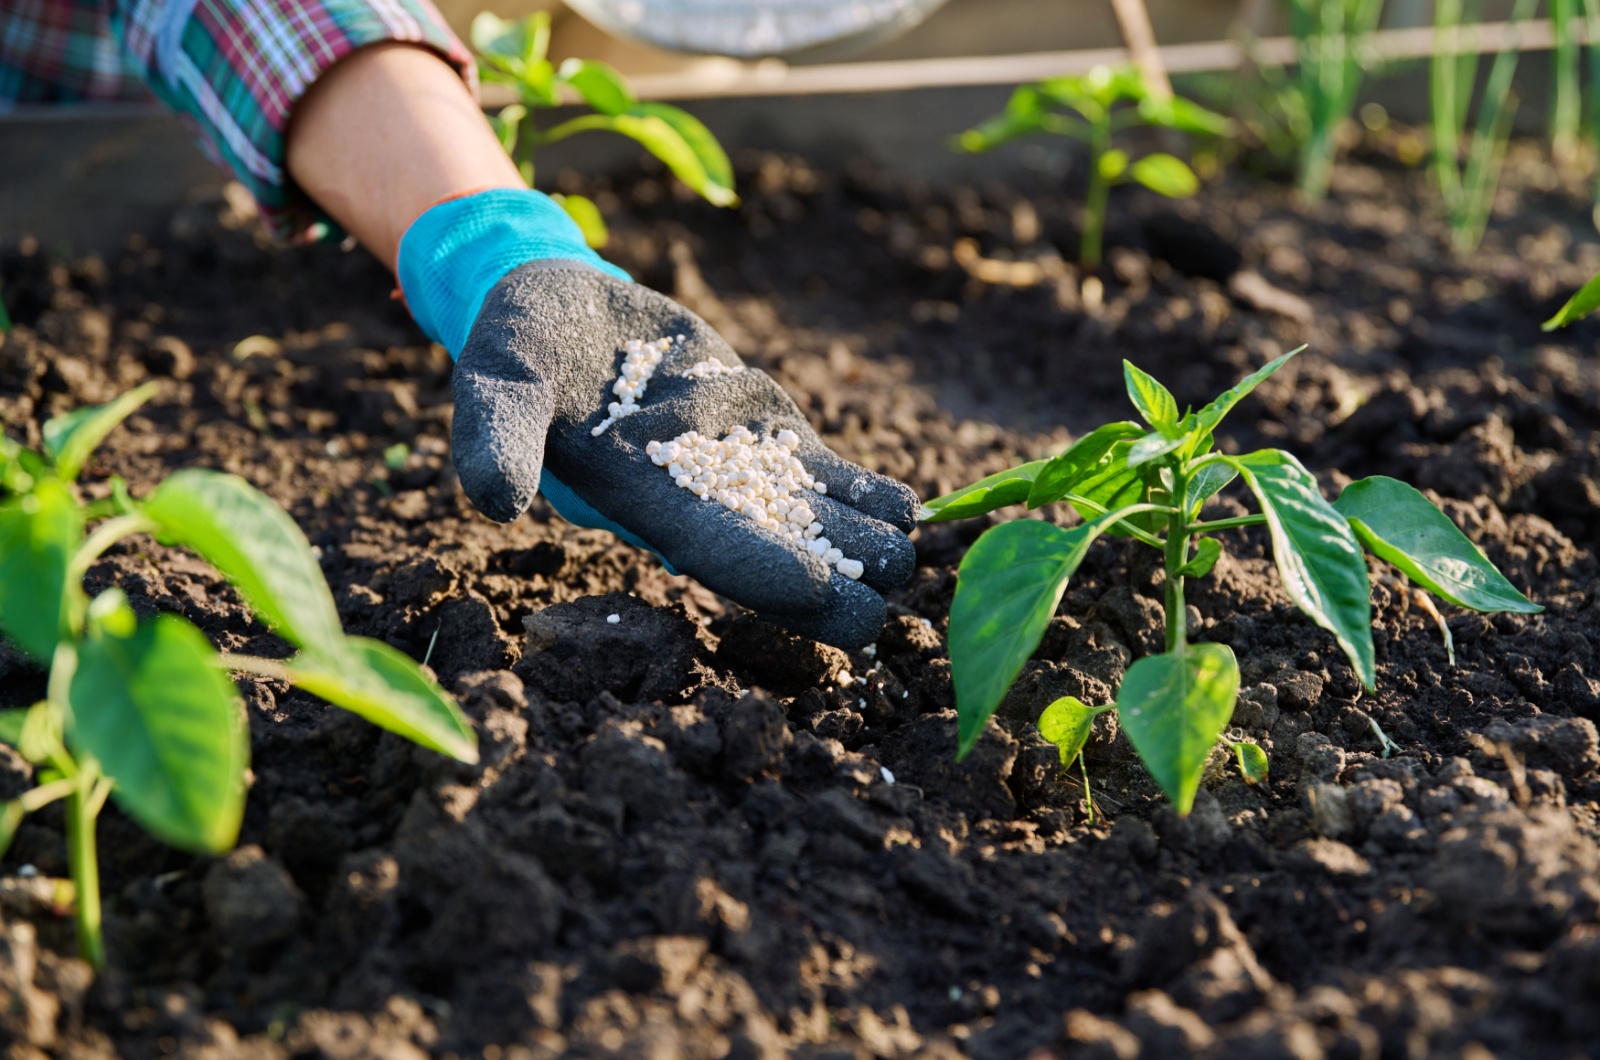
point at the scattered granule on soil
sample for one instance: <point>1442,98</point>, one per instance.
<point>708,368</point>
<point>639,363</point>
<point>760,478</point>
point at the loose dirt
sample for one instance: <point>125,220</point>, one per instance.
<point>693,835</point>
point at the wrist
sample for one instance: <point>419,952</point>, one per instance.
<point>454,254</point>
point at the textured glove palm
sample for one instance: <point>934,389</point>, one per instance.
<point>534,379</point>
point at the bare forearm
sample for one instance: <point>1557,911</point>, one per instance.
<point>387,133</point>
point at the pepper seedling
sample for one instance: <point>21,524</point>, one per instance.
<point>513,53</point>
<point>142,711</point>
<point>1102,103</point>
<point>1149,482</point>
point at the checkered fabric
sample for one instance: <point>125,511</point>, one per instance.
<point>233,69</point>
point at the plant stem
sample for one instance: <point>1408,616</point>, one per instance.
<point>1227,524</point>
<point>271,669</point>
<point>1094,204</point>
<point>1099,509</point>
<point>1177,550</point>
<point>85,865</point>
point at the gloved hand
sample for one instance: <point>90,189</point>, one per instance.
<point>538,324</point>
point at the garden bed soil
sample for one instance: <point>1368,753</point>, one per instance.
<point>693,835</point>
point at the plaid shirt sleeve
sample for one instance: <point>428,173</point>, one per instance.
<point>233,69</point>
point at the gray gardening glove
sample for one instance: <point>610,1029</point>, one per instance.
<point>535,378</point>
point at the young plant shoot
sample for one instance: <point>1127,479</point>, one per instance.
<point>1467,187</point>
<point>1580,305</point>
<point>1093,108</point>
<point>143,711</point>
<point>1149,482</point>
<point>513,53</point>
<point>1330,39</point>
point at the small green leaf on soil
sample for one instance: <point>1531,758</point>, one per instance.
<point>1319,560</point>
<point>1397,523</point>
<point>1174,707</point>
<point>1067,723</point>
<point>389,689</point>
<point>1006,591</point>
<point>1253,762</point>
<point>167,725</point>
<point>1580,305</point>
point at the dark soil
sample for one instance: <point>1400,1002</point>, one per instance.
<point>692,835</point>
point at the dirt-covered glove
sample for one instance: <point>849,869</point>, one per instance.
<point>539,351</point>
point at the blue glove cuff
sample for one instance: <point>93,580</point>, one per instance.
<point>452,256</point>
<point>579,512</point>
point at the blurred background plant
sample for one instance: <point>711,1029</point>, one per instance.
<point>1467,158</point>
<point>1333,56</point>
<point>1093,108</point>
<point>514,53</point>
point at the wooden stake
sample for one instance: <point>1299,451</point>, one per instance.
<point>1141,38</point>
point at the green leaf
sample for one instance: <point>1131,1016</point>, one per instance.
<point>69,439</point>
<point>1174,707</point>
<point>1024,114</point>
<point>1154,401</point>
<point>1207,551</point>
<point>507,124</point>
<point>1580,305</point>
<point>1067,723</point>
<point>1397,523</point>
<point>1205,420</point>
<point>168,726</point>
<point>985,495</point>
<point>600,85</point>
<point>1112,484</point>
<point>1113,164</point>
<point>39,532</point>
<point>1319,560</point>
<point>1166,175</point>
<point>1007,588</point>
<point>1206,482</point>
<point>11,815</point>
<point>1253,764</point>
<point>711,159</point>
<point>1062,473</point>
<point>258,548</point>
<point>389,689</point>
<point>586,215</point>
<point>525,40</point>
<point>1184,115</point>
<point>1155,445</point>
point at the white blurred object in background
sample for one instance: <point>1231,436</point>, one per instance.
<point>751,29</point>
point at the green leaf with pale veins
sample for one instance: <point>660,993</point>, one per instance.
<point>1062,473</point>
<point>1112,484</point>
<point>1174,707</point>
<point>39,532</point>
<point>258,548</point>
<point>1397,523</point>
<point>71,438</point>
<point>1154,401</point>
<point>167,726</point>
<point>1007,588</point>
<point>1206,482</point>
<point>1318,557</point>
<point>995,491</point>
<point>1253,764</point>
<point>1067,723</point>
<point>389,689</point>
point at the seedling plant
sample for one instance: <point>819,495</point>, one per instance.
<point>1331,47</point>
<point>1467,158</point>
<point>1149,482</point>
<point>1093,108</point>
<point>141,710</point>
<point>513,53</point>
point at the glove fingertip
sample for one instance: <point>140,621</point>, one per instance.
<point>853,617</point>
